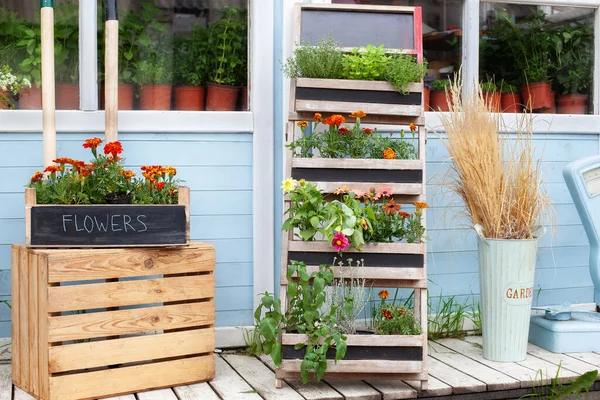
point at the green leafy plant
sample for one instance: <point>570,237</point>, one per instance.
<point>556,390</point>
<point>227,42</point>
<point>10,86</point>
<point>66,42</point>
<point>10,28</point>
<point>325,60</point>
<point>154,71</point>
<point>488,87</point>
<point>368,64</point>
<point>403,69</point>
<point>507,88</point>
<point>574,58</point>
<point>30,53</point>
<point>394,319</point>
<point>190,58</point>
<point>306,295</point>
<point>441,85</point>
<point>446,318</point>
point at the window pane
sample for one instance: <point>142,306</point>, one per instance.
<point>181,55</point>
<point>20,53</point>
<point>544,55</point>
<point>442,39</point>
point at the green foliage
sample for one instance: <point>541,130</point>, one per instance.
<point>488,87</point>
<point>574,58</point>
<point>227,42</point>
<point>507,88</point>
<point>368,64</point>
<point>325,60</point>
<point>441,85</point>
<point>306,294</point>
<point>190,58</point>
<point>394,319</point>
<point>403,69</point>
<point>446,319</point>
<point>10,30</point>
<point>556,390</point>
<point>155,70</point>
<point>66,42</point>
<point>29,51</point>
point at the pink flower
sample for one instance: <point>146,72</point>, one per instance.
<point>358,193</point>
<point>340,242</point>
<point>384,192</point>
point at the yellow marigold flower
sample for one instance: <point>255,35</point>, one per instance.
<point>318,117</point>
<point>341,190</point>
<point>389,154</point>
<point>420,204</point>
<point>384,294</point>
<point>302,124</point>
<point>358,114</point>
<point>289,184</point>
<point>412,127</point>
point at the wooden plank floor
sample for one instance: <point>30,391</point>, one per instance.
<point>457,372</point>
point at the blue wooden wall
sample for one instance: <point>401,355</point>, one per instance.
<point>562,271</point>
<point>218,169</point>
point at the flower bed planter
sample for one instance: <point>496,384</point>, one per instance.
<point>384,356</point>
<point>62,352</point>
<point>347,96</point>
<point>107,225</point>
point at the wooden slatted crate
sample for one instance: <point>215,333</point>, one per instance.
<point>91,323</point>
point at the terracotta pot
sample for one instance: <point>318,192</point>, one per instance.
<point>552,109</point>
<point>155,97</point>
<point>492,101</point>
<point>4,96</point>
<point>221,97</point>
<point>189,98</point>
<point>537,96</point>
<point>67,96</point>
<point>243,99</point>
<point>125,96</point>
<point>511,103</point>
<point>572,104</point>
<point>426,95</point>
<point>439,101</point>
<point>30,98</point>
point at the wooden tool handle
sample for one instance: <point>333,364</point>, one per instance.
<point>111,70</point>
<point>48,87</point>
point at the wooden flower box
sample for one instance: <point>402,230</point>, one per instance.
<point>384,263</point>
<point>367,357</point>
<point>77,336</point>
<point>107,225</point>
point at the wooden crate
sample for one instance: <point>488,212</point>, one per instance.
<point>96,323</point>
<point>107,225</point>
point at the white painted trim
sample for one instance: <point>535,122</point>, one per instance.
<point>262,26</point>
<point>565,3</point>
<point>131,121</point>
<point>229,336</point>
<point>88,55</point>
<point>470,45</point>
<point>596,81</point>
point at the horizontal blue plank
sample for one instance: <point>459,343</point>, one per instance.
<point>219,227</point>
<point>234,318</point>
<point>562,278</point>
<point>129,136</point>
<point>235,202</point>
<point>233,298</point>
<point>232,250</point>
<point>233,274</point>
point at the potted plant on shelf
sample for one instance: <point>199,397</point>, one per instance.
<point>190,62</point>
<point>66,55</point>
<point>226,45</point>
<point>574,63</point>
<point>511,99</point>
<point>28,52</point>
<point>10,85</point>
<point>491,96</point>
<point>498,179</point>
<point>441,98</point>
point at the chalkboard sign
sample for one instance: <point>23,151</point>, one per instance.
<point>107,225</point>
<point>357,26</point>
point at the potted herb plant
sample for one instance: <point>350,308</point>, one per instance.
<point>491,96</point>
<point>29,55</point>
<point>10,85</point>
<point>511,99</point>
<point>226,45</point>
<point>441,98</point>
<point>66,55</point>
<point>190,63</point>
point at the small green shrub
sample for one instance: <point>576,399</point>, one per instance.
<point>488,87</point>
<point>369,64</point>
<point>403,69</point>
<point>440,85</point>
<point>321,61</point>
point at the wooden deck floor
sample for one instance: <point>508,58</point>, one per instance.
<point>456,367</point>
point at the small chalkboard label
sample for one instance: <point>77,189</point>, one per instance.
<point>107,225</point>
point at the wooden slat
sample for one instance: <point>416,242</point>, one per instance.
<point>229,385</point>
<point>461,383</point>
<point>386,248</point>
<point>43,322</point>
<point>351,163</point>
<point>493,379</point>
<point>119,263</point>
<point>132,349</point>
<point>34,377</point>
<point>355,390</point>
<point>330,376</point>
<point>361,366</point>
<point>363,340</point>
<point>261,378</point>
<point>183,198</point>
<point>197,391</point>
<point>392,390</point>
<point>347,107</point>
<point>5,382</point>
<point>378,274</point>
<point>354,84</point>
<point>125,293</point>
<point>131,379</point>
<point>569,363</point>
<point>122,322</point>
<point>30,200</point>
<point>435,387</point>
<point>24,318</point>
<point>16,314</point>
<point>590,358</point>
<point>161,394</point>
<point>369,119</point>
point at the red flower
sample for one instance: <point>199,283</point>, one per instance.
<point>387,314</point>
<point>159,185</point>
<point>336,119</point>
<point>367,131</point>
<point>343,130</point>
<point>404,214</point>
<point>37,177</point>
<point>340,242</point>
<point>92,143</point>
<point>412,127</point>
<point>113,148</point>
<point>53,169</point>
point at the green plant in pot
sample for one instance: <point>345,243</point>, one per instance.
<point>574,59</point>
<point>66,55</point>
<point>491,95</point>
<point>29,56</point>
<point>226,41</point>
<point>10,85</point>
<point>510,100</point>
<point>440,98</point>
<point>190,63</point>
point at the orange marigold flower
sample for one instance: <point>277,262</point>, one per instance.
<point>341,190</point>
<point>412,127</point>
<point>79,164</point>
<point>402,311</point>
<point>391,207</point>
<point>383,294</point>
<point>364,224</point>
<point>302,124</point>
<point>113,148</point>
<point>343,130</point>
<point>389,154</point>
<point>403,214</point>
<point>358,114</point>
<point>92,143</point>
<point>367,131</point>
<point>172,192</point>
<point>159,185</point>
<point>387,314</point>
<point>85,172</point>
<point>53,169</point>
<point>37,177</point>
<point>420,205</point>
<point>318,117</point>
<point>64,160</point>
<point>336,120</point>
<point>128,174</point>
<point>171,171</point>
